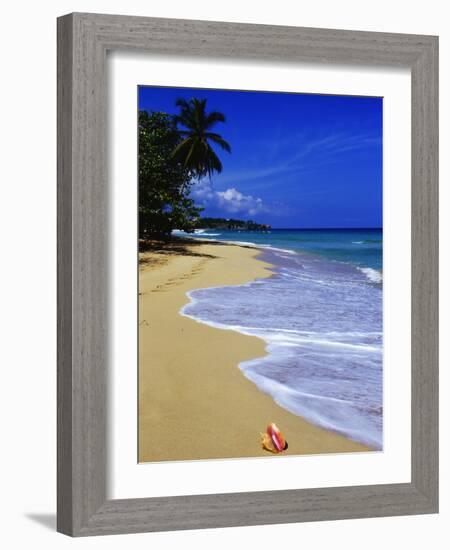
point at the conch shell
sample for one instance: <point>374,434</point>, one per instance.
<point>273,440</point>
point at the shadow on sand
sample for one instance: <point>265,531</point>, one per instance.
<point>176,247</point>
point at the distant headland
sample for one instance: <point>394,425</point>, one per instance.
<point>231,224</point>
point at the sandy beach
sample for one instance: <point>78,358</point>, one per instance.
<point>194,402</point>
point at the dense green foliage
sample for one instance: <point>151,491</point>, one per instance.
<point>195,151</point>
<point>228,223</point>
<point>164,182</point>
<point>174,151</point>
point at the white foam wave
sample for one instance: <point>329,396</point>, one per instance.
<point>285,336</point>
<point>196,233</point>
<point>373,275</point>
<point>201,234</point>
<point>275,249</point>
<point>261,246</point>
<point>332,414</point>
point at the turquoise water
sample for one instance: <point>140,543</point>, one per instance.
<point>320,314</point>
<point>362,247</point>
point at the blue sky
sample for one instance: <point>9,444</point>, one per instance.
<point>297,160</point>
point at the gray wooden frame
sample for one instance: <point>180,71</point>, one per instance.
<point>83,40</point>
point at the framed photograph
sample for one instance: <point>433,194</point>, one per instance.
<point>274,248</point>
<point>247,274</point>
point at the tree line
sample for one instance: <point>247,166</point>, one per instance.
<point>232,224</point>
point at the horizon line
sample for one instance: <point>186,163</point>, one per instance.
<point>319,228</point>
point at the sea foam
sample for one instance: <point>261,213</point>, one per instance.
<point>373,275</point>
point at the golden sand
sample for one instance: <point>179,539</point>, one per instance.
<point>194,401</point>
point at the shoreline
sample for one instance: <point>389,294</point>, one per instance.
<point>194,401</point>
<point>373,274</point>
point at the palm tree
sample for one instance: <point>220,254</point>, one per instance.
<point>195,151</point>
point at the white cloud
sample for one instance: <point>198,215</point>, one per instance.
<point>230,201</point>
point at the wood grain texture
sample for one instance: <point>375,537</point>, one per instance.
<point>64,329</point>
<point>83,40</point>
<point>82,261</point>
<point>424,279</point>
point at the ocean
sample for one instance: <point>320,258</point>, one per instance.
<point>320,314</point>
